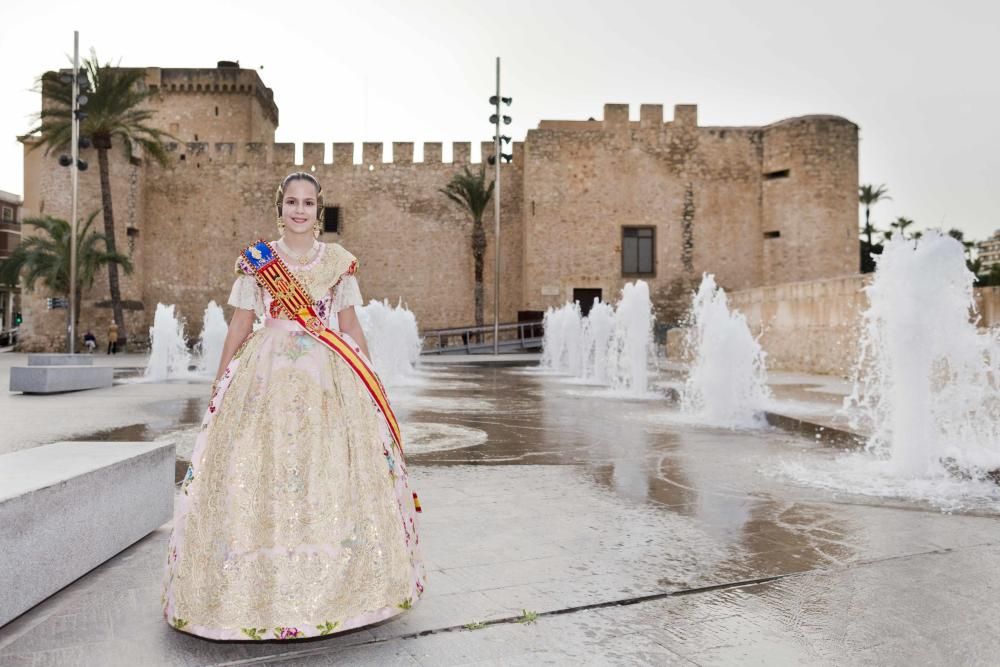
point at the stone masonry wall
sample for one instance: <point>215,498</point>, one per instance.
<point>584,182</point>
<point>809,196</point>
<point>710,193</point>
<point>48,192</point>
<point>412,243</point>
<point>814,326</point>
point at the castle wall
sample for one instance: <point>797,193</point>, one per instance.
<point>699,188</point>
<point>811,326</point>
<point>712,195</point>
<point>48,192</point>
<point>212,105</point>
<point>815,206</point>
<point>412,243</point>
<point>814,326</point>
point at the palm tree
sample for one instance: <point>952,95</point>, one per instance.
<point>959,236</point>
<point>901,224</point>
<point>868,196</point>
<point>112,112</point>
<point>45,257</point>
<point>471,192</point>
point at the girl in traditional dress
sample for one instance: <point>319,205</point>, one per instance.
<point>295,518</point>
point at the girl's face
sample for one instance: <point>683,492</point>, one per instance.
<point>298,208</point>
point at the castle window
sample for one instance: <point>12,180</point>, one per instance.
<point>772,235</point>
<point>331,219</point>
<point>8,214</point>
<point>216,111</point>
<point>771,175</point>
<point>638,250</point>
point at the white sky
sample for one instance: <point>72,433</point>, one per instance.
<point>919,78</point>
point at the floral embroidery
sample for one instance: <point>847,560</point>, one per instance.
<point>406,604</point>
<point>327,627</point>
<point>179,623</point>
<point>253,633</point>
<point>287,633</point>
<point>295,347</point>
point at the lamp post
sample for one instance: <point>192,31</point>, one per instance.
<point>496,159</point>
<point>76,165</point>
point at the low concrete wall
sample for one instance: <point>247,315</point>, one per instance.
<point>808,326</point>
<point>60,360</point>
<point>813,326</point>
<point>56,379</point>
<point>67,507</point>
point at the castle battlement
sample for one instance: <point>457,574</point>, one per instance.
<point>617,116</point>
<point>227,78</point>
<point>336,155</point>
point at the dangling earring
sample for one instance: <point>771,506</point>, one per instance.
<point>281,226</point>
<point>317,229</point>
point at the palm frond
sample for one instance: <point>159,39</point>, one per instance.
<point>113,111</point>
<point>470,191</point>
<point>44,257</point>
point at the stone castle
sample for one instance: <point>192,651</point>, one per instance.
<point>586,207</point>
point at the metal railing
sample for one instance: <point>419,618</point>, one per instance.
<point>511,336</point>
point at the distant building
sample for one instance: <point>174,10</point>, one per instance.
<point>989,251</point>
<point>587,206</point>
<point>10,238</point>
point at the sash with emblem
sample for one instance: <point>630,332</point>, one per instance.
<point>272,274</point>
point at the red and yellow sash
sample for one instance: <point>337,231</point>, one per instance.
<point>275,277</point>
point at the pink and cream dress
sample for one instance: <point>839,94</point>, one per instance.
<point>295,518</point>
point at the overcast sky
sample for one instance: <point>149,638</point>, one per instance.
<point>919,78</point>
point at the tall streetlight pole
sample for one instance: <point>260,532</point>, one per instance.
<point>496,159</point>
<point>74,178</point>
<point>496,224</point>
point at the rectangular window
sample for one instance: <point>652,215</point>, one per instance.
<point>781,173</point>
<point>331,219</point>
<point>638,250</point>
<point>8,214</point>
<point>772,235</point>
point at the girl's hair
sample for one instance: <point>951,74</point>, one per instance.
<point>300,176</point>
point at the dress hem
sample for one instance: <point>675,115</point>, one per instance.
<point>231,634</point>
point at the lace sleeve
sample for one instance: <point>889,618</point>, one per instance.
<point>346,294</point>
<point>246,294</point>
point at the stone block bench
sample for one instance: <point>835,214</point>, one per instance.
<point>51,379</point>
<point>67,507</point>
<point>60,360</point>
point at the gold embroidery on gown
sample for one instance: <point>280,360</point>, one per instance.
<point>295,518</point>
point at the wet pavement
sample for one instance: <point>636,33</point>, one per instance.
<point>583,528</point>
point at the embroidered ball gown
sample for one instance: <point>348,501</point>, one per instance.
<point>295,518</point>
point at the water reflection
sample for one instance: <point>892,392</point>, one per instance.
<point>699,477</point>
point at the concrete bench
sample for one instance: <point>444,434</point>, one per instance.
<point>53,379</point>
<point>66,508</point>
<point>60,360</point>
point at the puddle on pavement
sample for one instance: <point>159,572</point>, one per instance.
<point>171,416</point>
<point>708,478</point>
<point>723,482</point>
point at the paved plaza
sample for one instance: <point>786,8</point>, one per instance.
<point>564,525</point>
